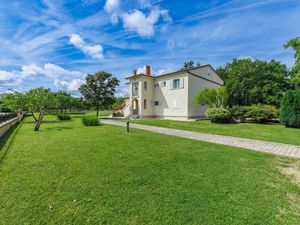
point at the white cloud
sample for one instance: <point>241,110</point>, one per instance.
<point>94,51</point>
<point>111,5</point>
<point>141,70</point>
<point>48,70</point>
<point>71,79</point>
<point>142,24</point>
<point>136,20</point>
<point>69,85</point>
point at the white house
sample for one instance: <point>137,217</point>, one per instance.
<point>171,95</point>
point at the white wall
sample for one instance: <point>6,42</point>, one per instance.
<point>148,95</point>
<point>196,84</point>
<point>173,101</point>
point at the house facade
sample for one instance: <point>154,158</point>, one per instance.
<point>171,95</point>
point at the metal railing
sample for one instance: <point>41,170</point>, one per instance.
<point>4,117</point>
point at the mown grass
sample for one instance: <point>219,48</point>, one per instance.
<point>70,174</point>
<point>268,132</point>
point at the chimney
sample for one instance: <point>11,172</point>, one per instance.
<point>148,70</point>
<point>134,72</point>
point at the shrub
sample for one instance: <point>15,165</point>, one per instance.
<point>218,115</point>
<point>290,109</point>
<point>262,113</point>
<point>90,121</point>
<point>238,112</point>
<point>118,105</point>
<point>63,117</point>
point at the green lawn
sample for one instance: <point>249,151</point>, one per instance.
<point>267,132</point>
<point>70,174</point>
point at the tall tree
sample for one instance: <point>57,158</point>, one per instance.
<point>190,65</point>
<point>255,82</point>
<point>99,89</point>
<point>295,72</point>
<point>39,100</point>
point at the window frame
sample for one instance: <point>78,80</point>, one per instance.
<point>135,89</point>
<point>177,84</point>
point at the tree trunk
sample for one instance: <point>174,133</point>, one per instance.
<point>34,116</point>
<point>39,121</point>
<point>97,112</point>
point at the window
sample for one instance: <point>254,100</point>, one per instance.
<point>155,103</point>
<point>145,86</point>
<point>145,103</point>
<point>162,84</point>
<point>176,83</point>
<point>155,85</point>
<point>135,89</point>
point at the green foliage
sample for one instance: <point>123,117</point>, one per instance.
<point>90,121</point>
<point>39,99</point>
<point>15,101</point>
<point>255,82</point>
<point>262,113</point>
<point>239,110</point>
<point>218,115</point>
<point>63,116</point>
<point>118,104</point>
<point>295,72</point>
<point>290,109</point>
<point>99,89</point>
<point>213,97</point>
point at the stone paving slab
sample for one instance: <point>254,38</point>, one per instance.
<point>256,145</point>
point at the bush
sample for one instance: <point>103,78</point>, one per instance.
<point>118,106</point>
<point>218,115</point>
<point>90,121</point>
<point>238,112</point>
<point>290,109</point>
<point>262,113</point>
<point>63,117</point>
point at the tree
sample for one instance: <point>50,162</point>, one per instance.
<point>295,71</point>
<point>63,100</point>
<point>99,89</point>
<point>255,82</point>
<point>290,109</point>
<point>39,100</point>
<point>213,97</point>
<point>15,101</point>
<point>190,65</point>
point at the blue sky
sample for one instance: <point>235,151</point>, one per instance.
<point>55,43</point>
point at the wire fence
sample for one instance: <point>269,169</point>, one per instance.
<point>4,117</point>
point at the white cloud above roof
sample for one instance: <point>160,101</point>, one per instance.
<point>94,51</point>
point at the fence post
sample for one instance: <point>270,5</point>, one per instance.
<point>127,126</point>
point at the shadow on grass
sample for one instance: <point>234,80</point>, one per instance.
<point>49,121</point>
<point>58,128</point>
<point>6,140</point>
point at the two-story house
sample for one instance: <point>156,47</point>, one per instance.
<point>171,95</point>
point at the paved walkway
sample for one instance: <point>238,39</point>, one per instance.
<point>256,145</point>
